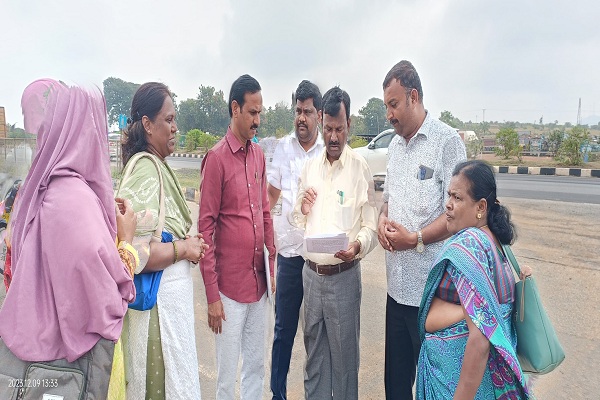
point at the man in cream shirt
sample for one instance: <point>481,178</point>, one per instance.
<point>336,194</point>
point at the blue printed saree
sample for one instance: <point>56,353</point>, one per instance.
<point>470,259</point>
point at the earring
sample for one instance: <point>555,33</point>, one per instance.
<point>478,216</point>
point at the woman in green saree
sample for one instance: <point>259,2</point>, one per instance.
<point>161,356</point>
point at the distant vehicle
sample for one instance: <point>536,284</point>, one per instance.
<point>376,155</point>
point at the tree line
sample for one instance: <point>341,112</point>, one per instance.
<point>204,119</point>
<point>208,112</point>
<point>567,144</point>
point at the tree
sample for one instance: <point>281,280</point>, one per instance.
<point>12,132</point>
<point>508,143</point>
<point>276,121</point>
<point>449,119</point>
<point>208,111</point>
<point>357,126</point>
<point>206,141</point>
<point>195,138</point>
<point>118,94</point>
<point>482,129</point>
<point>554,140</point>
<point>190,139</point>
<point>374,116</point>
<point>214,110</point>
<point>571,149</point>
<point>474,147</point>
<point>189,116</point>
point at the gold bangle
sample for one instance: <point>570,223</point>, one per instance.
<point>129,256</point>
<point>175,248</point>
<point>126,246</point>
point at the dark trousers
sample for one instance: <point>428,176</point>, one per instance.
<point>288,299</point>
<point>402,346</point>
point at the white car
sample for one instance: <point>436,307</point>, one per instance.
<point>376,155</point>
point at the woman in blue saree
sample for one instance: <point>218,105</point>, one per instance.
<point>468,340</point>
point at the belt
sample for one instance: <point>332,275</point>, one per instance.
<point>329,270</point>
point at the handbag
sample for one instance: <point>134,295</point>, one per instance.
<point>85,378</point>
<point>538,348</point>
<point>147,284</point>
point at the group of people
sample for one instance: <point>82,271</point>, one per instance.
<point>76,248</point>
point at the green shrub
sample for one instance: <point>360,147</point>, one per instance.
<point>357,141</point>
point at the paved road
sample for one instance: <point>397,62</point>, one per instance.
<point>561,188</point>
<point>184,162</point>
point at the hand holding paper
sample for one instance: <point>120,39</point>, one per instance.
<point>328,243</point>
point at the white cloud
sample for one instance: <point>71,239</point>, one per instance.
<point>517,59</point>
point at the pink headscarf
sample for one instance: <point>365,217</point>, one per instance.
<point>69,286</point>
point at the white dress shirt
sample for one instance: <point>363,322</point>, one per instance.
<point>354,213</point>
<point>283,173</point>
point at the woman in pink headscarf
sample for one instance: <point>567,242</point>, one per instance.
<point>71,284</point>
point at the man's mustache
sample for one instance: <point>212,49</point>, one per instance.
<point>254,127</point>
<point>336,143</point>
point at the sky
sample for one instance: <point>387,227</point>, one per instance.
<point>517,60</point>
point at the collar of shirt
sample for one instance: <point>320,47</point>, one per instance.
<point>342,159</point>
<point>425,127</point>
<point>234,143</point>
<point>319,143</point>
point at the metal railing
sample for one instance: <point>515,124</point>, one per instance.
<point>18,150</point>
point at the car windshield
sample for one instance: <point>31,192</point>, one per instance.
<point>384,141</point>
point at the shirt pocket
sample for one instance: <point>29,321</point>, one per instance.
<point>428,192</point>
<point>344,214</point>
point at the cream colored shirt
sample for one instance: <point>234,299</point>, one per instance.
<point>354,213</point>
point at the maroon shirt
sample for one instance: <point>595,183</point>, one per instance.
<point>235,221</point>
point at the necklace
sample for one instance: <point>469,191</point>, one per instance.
<point>484,226</point>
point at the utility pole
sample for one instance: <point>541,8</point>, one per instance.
<point>579,113</point>
<point>483,119</point>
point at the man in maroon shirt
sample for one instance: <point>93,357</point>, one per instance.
<point>236,223</point>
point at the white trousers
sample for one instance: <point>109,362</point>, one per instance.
<point>243,332</point>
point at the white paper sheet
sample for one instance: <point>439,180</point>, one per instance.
<point>328,243</point>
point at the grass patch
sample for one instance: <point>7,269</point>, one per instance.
<point>188,177</point>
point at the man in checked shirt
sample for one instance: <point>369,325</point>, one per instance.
<point>412,222</point>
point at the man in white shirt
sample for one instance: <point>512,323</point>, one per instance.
<point>283,173</point>
<point>412,222</point>
<point>336,194</point>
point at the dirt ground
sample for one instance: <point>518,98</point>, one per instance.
<point>558,240</point>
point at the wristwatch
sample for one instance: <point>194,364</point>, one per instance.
<point>420,245</point>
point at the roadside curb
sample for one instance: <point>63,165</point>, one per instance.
<point>186,155</point>
<point>583,172</point>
